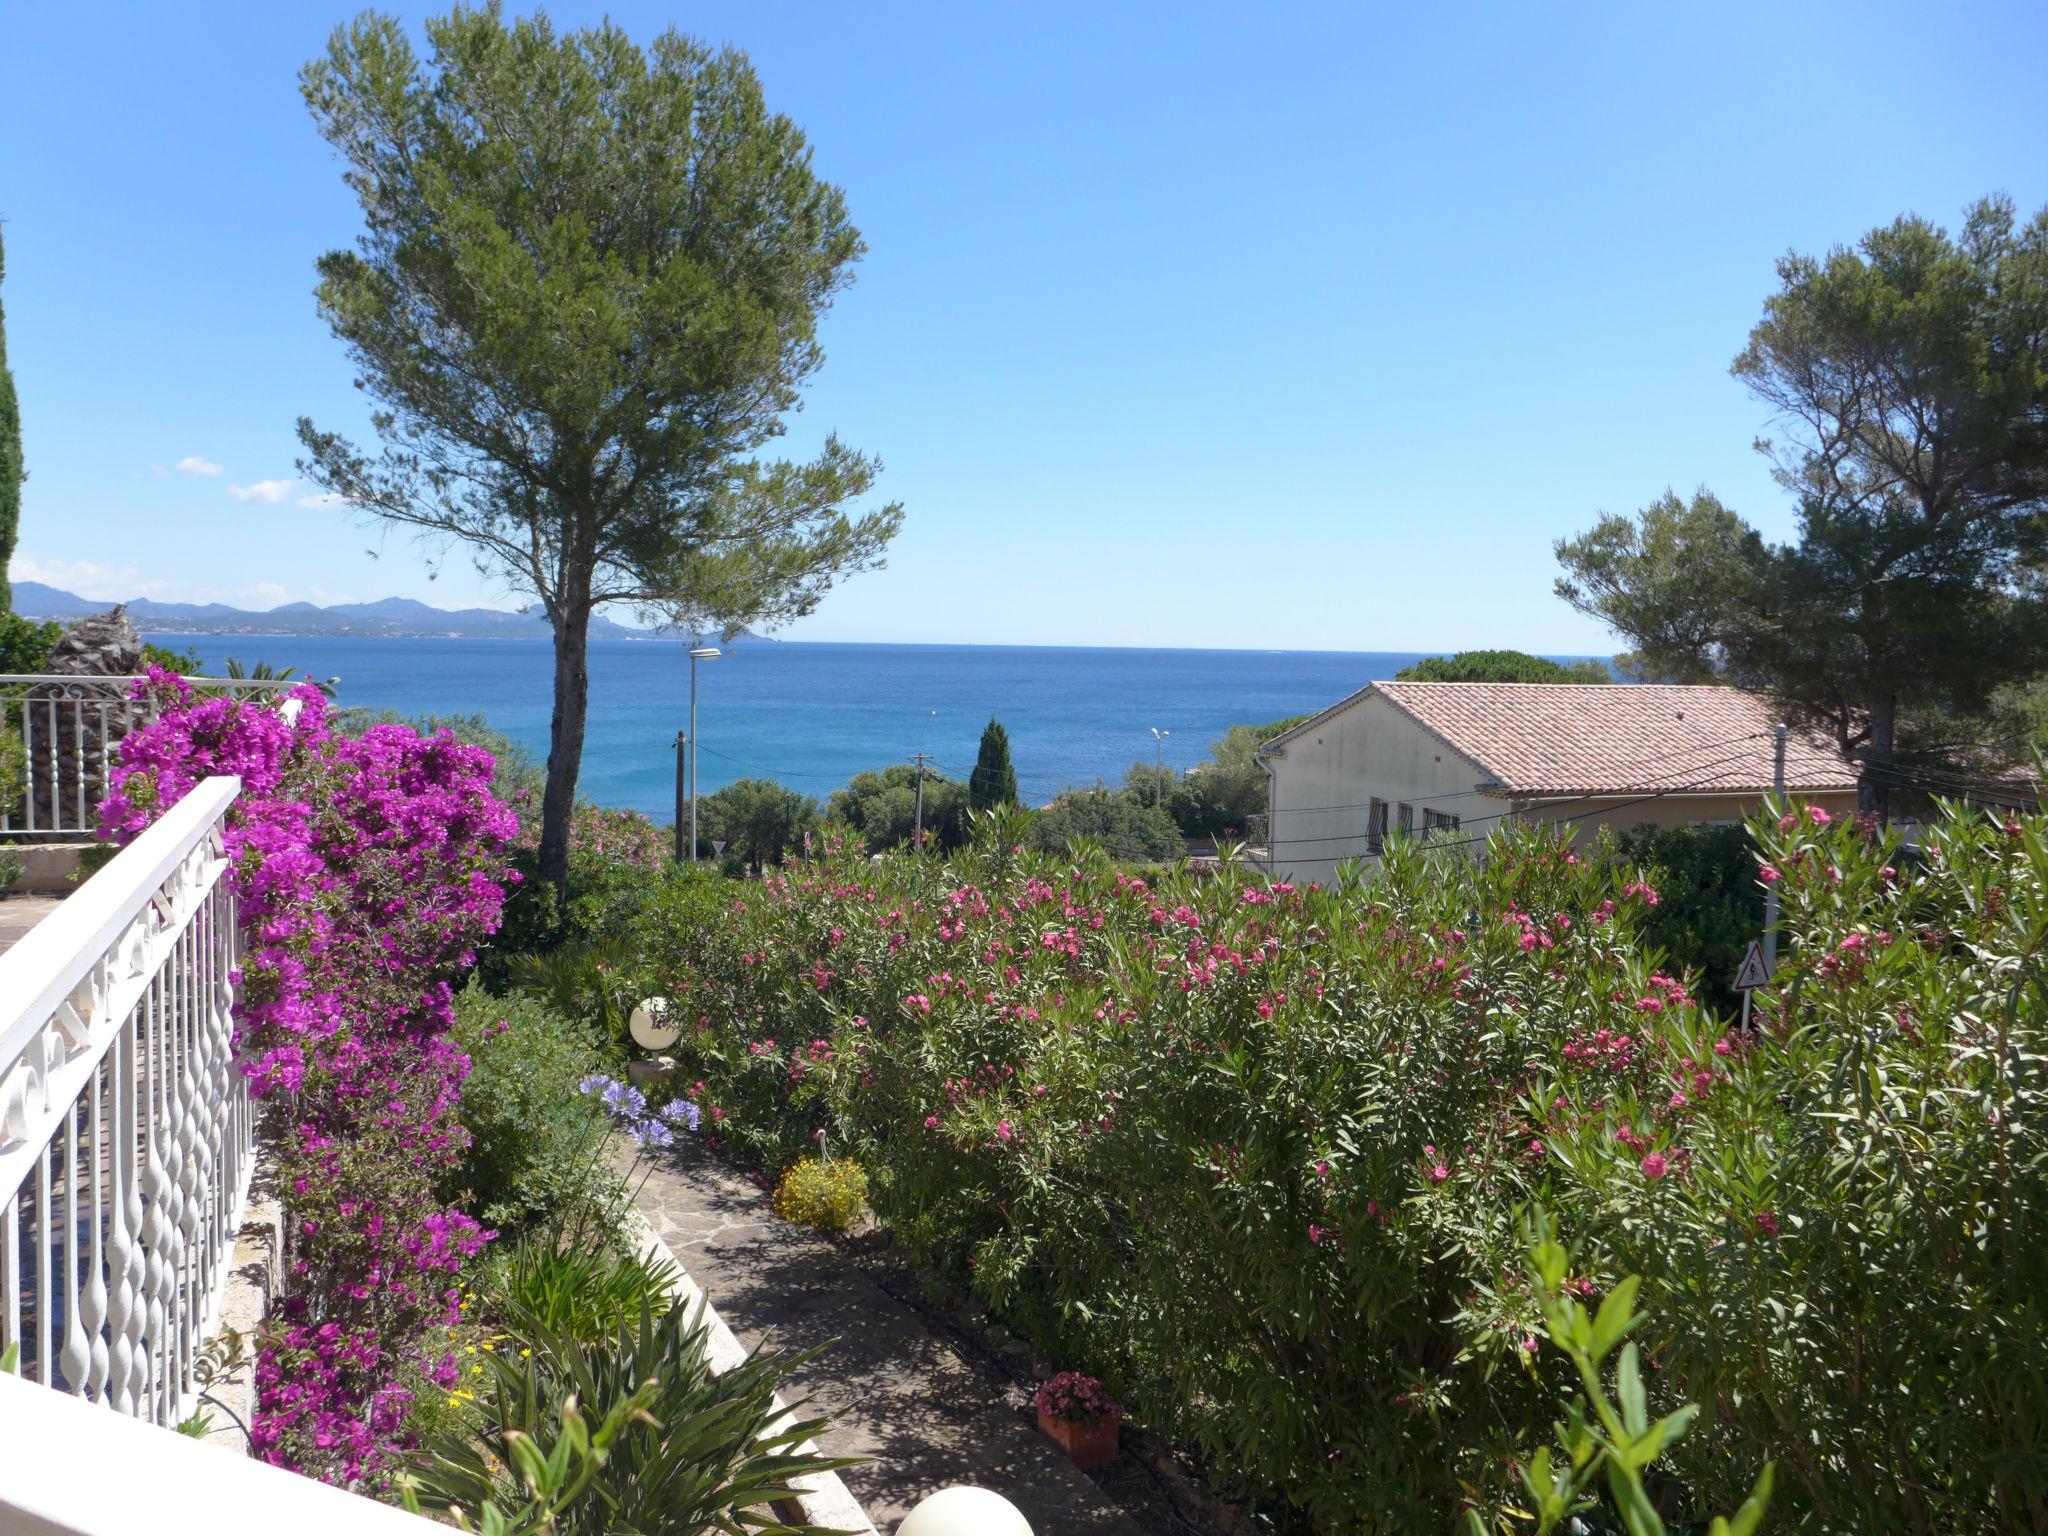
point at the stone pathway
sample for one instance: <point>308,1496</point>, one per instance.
<point>898,1392</point>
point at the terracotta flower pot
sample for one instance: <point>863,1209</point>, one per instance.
<point>1086,1445</point>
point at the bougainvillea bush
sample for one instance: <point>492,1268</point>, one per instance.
<point>1255,1154</point>
<point>366,869</point>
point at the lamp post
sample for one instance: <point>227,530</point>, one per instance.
<point>1159,776</point>
<point>697,653</point>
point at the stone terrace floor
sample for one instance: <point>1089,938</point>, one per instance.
<point>18,914</point>
<point>928,1414</point>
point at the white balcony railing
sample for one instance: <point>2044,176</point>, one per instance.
<point>69,729</point>
<point>125,1131</point>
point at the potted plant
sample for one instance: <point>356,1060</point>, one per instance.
<point>1078,1412</point>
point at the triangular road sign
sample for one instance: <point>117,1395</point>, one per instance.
<point>1753,973</point>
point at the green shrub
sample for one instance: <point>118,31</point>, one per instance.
<point>827,1194</point>
<point>1713,904</point>
<point>571,1289</point>
<point>1253,1154</point>
<point>687,1452</point>
<point>1121,826</point>
<point>617,859</point>
<point>25,644</point>
<point>537,1153</point>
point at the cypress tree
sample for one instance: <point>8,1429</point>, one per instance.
<point>994,781</point>
<point>10,456</point>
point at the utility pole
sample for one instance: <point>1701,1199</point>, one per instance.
<point>1778,734</point>
<point>1159,767</point>
<point>917,835</point>
<point>683,744</point>
<point>697,653</point>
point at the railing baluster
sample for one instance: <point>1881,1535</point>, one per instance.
<point>45,1278</point>
<point>124,1251</point>
<point>125,1130</point>
<point>75,1358</point>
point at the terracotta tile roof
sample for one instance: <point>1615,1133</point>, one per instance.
<point>1580,739</point>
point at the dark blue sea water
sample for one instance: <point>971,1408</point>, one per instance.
<point>812,715</point>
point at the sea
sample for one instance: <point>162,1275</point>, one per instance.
<point>813,714</point>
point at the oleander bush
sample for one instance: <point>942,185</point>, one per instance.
<point>1253,1154</point>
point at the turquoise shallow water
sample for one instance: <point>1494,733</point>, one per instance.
<point>812,715</point>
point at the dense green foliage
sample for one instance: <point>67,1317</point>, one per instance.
<point>1713,904</point>
<point>683,1451</point>
<point>1255,1155</point>
<point>1220,796</point>
<point>1127,829</point>
<point>993,782</point>
<point>25,644</point>
<point>1911,374</point>
<point>759,820</point>
<point>587,292</point>
<point>536,1155</point>
<point>882,808</point>
<point>11,471</point>
<point>1502,667</point>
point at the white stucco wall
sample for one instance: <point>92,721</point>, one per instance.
<point>1322,783</point>
<point>1326,778</point>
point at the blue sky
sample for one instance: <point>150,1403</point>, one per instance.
<point>1273,326</point>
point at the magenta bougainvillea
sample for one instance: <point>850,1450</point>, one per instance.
<point>366,870</point>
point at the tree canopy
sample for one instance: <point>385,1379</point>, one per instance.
<point>1126,830</point>
<point>882,808</point>
<point>994,781</point>
<point>587,293</point>
<point>1910,378</point>
<point>1502,667</point>
<point>758,820</point>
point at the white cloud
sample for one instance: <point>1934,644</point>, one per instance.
<point>192,464</point>
<point>88,578</point>
<point>324,499</point>
<point>269,492</point>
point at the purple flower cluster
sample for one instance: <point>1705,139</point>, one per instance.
<point>651,1128</point>
<point>366,872</point>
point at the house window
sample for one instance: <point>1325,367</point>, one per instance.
<point>1407,820</point>
<point>1375,826</point>
<point>1438,821</point>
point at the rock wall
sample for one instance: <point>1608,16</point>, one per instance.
<point>74,726</point>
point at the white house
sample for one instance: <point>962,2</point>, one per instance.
<point>1460,759</point>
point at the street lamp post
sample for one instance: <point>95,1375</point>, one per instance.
<point>697,653</point>
<point>1159,773</point>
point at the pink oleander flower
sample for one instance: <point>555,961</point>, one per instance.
<point>1655,1166</point>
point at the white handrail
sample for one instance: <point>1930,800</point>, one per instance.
<point>71,1469</point>
<point>58,955</point>
<point>126,1142</point>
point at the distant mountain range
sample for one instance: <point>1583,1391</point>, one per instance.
<point>389,618</point>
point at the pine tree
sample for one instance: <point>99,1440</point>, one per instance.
<point>994,781</point>
<point>10,456</point>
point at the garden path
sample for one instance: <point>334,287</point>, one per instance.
<point>898,1392</point>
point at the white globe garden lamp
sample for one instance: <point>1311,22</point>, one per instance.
<point>965,1512</point>
<point>651,1027</point>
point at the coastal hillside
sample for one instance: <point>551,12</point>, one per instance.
<point>389,617</point>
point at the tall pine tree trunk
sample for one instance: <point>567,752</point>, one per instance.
<point>565,736</point>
